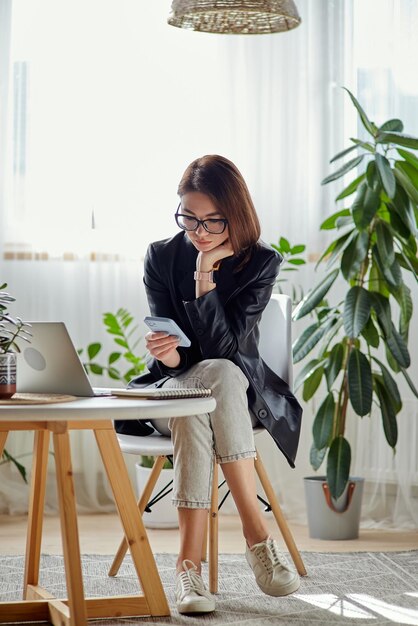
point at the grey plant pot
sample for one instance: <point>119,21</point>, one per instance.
<point>7,375</point>
<point>329,518</point>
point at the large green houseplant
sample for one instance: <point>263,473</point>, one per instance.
<point>374,249</point>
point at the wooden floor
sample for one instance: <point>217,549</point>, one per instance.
<point>100,534</point>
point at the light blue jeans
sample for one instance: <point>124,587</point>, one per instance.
<point>227,432</point>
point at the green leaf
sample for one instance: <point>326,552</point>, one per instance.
<point>329,223</point>
<point>307,341</point>
<point>368,125</point>
<point>284,244</point>
<point>391,386</point>
<point>372,176</point>
<point>398,347</point>
<point>360,385</point>
<point>399,139</point>
<point>298,249</point>
<point>335,248</point>
<point>296,261</point>
<point>315,296</point>
<point>341,222</point>
<point>382,308</point>
<point>323,422</point>
<point>409,381</point>
<point>343,170</point>
<point>305,372</point>
<point>402,205</point>
<point>338,466</point>
<point>386,175</point>
<point>404,299</point>
<point>122,343</point>
<point>394,124</point>
<point>370,334</point>
<point>357,309</point>
<point>385,243</point>
<point>96,369</point>
<point>393,364</point>
<point>316,457</point>
<point>406,184</point>
<point>390,426</point>
<point>363,144</point>
<point>409,178</point>
<point>351,188</point>
<point>354,255</point>
<point>20,468</point>
<point>334,364</point>
<point>365,206</point>
<point>312,383</point>
<point>392,273</point>
<point>114,373</point>
<point>397,225</point>
<point>410,157</point>
<point>93,349</point>
<point>114,357</point>
<point>339,155</point>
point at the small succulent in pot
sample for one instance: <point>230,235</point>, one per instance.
<point>11,329</point>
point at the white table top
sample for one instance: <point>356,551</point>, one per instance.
<point>106,408</point>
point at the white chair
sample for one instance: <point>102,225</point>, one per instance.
<point>276,350</point>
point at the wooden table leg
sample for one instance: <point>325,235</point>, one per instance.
<point>131,519</point>
<point>69,530</point>
<point>36,509</point>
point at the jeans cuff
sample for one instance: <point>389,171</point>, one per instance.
<point>236,457</point>
<point>191,504</point>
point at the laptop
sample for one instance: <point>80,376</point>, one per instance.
<point>50,364</point>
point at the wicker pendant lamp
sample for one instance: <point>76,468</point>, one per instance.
<point>237,17</point>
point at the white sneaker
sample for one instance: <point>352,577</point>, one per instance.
<point>272,571</point>
<point>191,593</point>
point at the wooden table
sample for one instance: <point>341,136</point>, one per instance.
<point>87,414</point>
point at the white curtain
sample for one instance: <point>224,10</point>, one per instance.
<point>117,104</point>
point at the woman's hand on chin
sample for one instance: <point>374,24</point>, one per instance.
<point>206,260</point>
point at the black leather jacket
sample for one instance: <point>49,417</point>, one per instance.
<point>222,324</point>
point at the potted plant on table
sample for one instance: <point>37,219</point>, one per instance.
<point>11,329</point>
<point>375,248</point>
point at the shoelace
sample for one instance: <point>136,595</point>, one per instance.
<point>190,580</point>
<point>270,556</point>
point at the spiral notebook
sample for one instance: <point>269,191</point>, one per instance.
<point>161,394</point>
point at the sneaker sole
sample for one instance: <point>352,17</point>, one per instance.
<point>196,607</point>
<point>285,590</point>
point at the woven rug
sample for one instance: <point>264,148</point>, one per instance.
<point>350,588</point>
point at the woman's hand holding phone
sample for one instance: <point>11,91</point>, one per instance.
<point>163,347</point>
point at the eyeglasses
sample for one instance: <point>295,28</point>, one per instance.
<point>213,226</point>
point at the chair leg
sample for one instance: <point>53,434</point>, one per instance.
<point>142,503</point>
<point>278,514</point>
<point>213,533</point>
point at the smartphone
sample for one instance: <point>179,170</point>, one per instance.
<point>167,325</point>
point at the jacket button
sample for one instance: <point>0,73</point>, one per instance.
<point>200,331</point>
<point>262,413</point>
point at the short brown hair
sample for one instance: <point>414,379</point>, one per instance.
<point>220,179</point>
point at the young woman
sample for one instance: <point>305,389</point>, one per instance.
<point>214,278</point>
